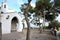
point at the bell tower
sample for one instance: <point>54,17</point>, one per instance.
<point>4,4</point>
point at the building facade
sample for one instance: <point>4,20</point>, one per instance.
<point>10,20</point>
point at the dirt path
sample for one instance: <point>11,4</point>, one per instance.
<point>42,36</point>
<point>34,35</point>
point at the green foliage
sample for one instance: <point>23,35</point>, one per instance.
<point>54,24</point>
<point>42,5</point>
<point>50,17</point>
<point>23,7</point>
<point>57,5</point>
<point>39,24</point>
<point>57,2</point>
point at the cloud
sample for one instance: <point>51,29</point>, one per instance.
<point>33,4</point>
<point>25,1</point>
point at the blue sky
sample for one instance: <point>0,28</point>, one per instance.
<point>15,4</point>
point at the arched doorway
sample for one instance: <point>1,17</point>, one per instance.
<point>14,24</point>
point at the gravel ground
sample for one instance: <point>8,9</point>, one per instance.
<point>34,35</point>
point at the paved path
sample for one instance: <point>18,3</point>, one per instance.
<point>35,35</point>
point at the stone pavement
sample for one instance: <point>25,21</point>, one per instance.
<point>34,35</point>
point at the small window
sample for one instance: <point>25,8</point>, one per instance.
<point>7,17</point>
<point>4,6</point>
<point>2,12</point>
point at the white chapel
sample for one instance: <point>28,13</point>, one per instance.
<point>10,20</point>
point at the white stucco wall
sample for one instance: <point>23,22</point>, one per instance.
<point>6,23</point>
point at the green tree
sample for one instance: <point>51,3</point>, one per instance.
<point>23,8</point>
<point>27,8</point>
<point>27,20</point>
<point>54,24</point>
<point>30,11</point>
<point>46,8</point>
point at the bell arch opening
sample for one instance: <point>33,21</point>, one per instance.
<point>14,24</point>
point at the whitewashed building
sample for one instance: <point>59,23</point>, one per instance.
<point>10,20</point>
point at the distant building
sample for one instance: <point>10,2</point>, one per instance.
<point>10,20</point>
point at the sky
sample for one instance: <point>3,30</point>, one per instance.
<point>16,4</point>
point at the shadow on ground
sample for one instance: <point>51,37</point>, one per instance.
<point>34,35</point>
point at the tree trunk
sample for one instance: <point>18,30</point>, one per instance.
<point>28,28</point>
<point>27,21</point>
<point>39,25</point>
<point>44,12</point>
